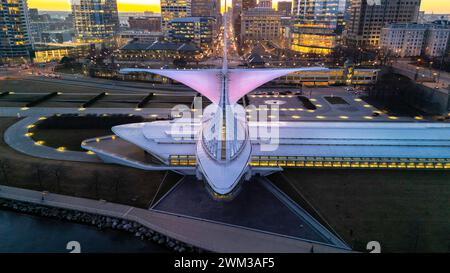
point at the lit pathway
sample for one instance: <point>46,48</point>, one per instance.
<point>15,137</point>
<point>112,85</point>
<point>49,111</point>
<point>206,235</point>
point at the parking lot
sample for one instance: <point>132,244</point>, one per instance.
<point>319,104</point>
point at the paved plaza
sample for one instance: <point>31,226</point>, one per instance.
<point>254,207</point>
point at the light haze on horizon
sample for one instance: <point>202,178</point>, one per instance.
<point>429,6</point>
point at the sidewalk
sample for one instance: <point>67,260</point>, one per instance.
<point>206,235</point>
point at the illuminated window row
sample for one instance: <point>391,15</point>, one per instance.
<point>183,160</point>
<point>352,159</point>
<point>352,163</point>
<point>190,160</point>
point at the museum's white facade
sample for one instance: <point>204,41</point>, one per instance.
<point>223,147</point>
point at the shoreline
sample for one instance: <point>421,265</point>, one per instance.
<point>100,221</point>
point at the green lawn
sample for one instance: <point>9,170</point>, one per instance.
<point>406,211</point>
<point>110,182</point>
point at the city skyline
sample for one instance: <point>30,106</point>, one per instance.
<point>429,6</point>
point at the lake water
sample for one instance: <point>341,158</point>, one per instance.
<point>27,233</point>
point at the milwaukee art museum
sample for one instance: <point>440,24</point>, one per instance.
<point>224,148</point>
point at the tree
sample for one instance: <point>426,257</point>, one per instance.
<point>66,60</point>
<point>58,172</point>
<point>117,181</point>
<point>96,177</point>
<point>5,168</point>
<point>38,174</point>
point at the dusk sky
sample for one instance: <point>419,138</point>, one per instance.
<point>435,6</point>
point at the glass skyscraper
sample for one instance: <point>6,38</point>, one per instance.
<point>172,9</point>
<point>197,30</point>
<point>15,41</point>
<point>95,20</point>
<point>315,26</point>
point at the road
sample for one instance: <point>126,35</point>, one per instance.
<point>410,71</point>
<point>111,85</point>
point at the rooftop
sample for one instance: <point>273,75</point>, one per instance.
<point>190,19</point>
<point>441,24</point>
<point>157,45</point>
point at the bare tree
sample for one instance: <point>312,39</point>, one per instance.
<point>38,174</point>
<point>96,177</point>
<point>58,172</point>
<point>117,181</point>
<point>5,168</point>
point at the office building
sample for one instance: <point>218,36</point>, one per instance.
<point>248,4</point>
<point>145,23</point>
<point>403,40</point>
<point>33,14</point>
<point>173,9</point>
<point>285,8</point>
<point>315,28</point>
<point>265,3</point>
<point>366,19</point>
<point>95,20</point>
<point>15,38</point>
<point>437,39</point>
<point>410,40</point>
<point>260,24</point>
<point>205,8</point>
<point>196,30</point>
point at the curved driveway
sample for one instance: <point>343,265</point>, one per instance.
<point>15,136</point>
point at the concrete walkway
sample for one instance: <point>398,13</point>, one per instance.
<point>113,85</point>
<point>206,235</point>
<point>49,111</point>
<point>15,136</point>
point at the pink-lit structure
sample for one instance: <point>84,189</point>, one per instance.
<point>223,148</point>
<point>208,81</point>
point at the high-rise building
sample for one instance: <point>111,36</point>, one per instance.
<point>95,20</point>
<point>37,25</point>
<point>15,40</point>
<point>367,18</point>
<point>343,15</point>
<point>248,4</point>
<point>196,30</point>
<point>205,8</point>
<point>260,24</point>
<point>52,26</point>
<point>437,41</point>
<point>146,23</point>
<point>33,14</point>
<point>315,26</point>
<point>172,9</point>
<point>410,40</point>
<point>285,8</point>
<point>403,40</point>
<point>265,3</point>
<point>236,10</point>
